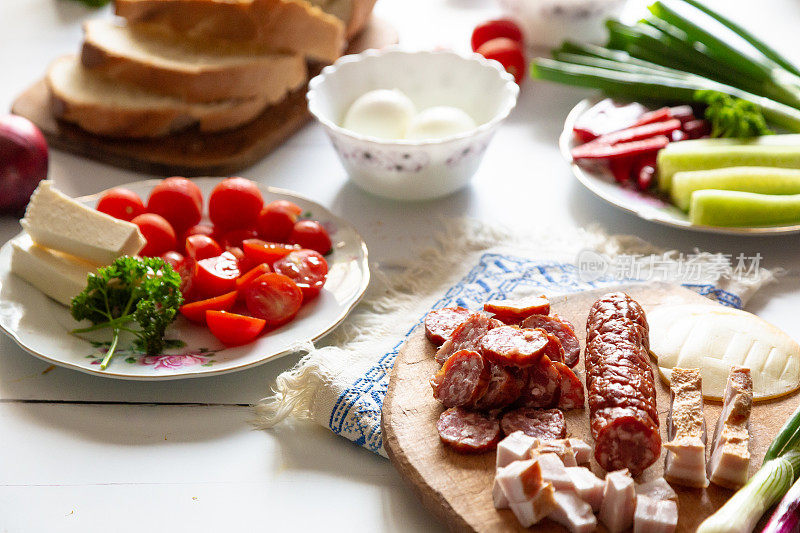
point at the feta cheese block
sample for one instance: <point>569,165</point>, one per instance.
<point>58,275</point>
<point>573,513</point>
<point>619,501</point>
<point>532,510</point>
<point>685,462</point>
<point>730,456</point>
<point>657,489</point>
<point>515,447</point>
<point>653,516</point>
<point>587,485</point>
<point>54,220</point>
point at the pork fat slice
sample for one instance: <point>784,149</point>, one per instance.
<point>573,513</point>
<point>686,428</point>
<point>531,511</point>
<point>653,516</point>
<point>588,486</point>
<point>499,496</point>
<point>520,480</point>
<point>619,501</point>
<point>562,448</point>
<point>553,470</point>
<point>515,447</point>
<point>657,489</point>
<point>583,452</point>
<point>730,456</point>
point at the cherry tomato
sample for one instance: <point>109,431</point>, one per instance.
<point>258,251</point>
<point>310,234</point>
<point>252,274</point>
<point>508,53</point>
<point>235,203</point>
<point>232,329</point>
<point>276,220</point>
<point>157,232</point>
<point>307,268</point>
<point>202,247</point>
<point>196,311</point>
<point>174,259</point>
<point>215,275</point>
<point>492,29</point>
<point>235,237</point>
<point>121,203</point>
<point>273,297</point>
<point>178,200</point>
<point>200,229</point>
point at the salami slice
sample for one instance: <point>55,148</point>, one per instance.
<point>462,380</point>
<point>514,311</point>
<point>509,345</point>
<point>543,424</point>
<point>441,323</point>
<point>553,350</point>
<point>505,386</point>
<point>468,431</point>
<point>542,387</point>
<point>571,394</point>
<point>561,329</point>
<point>466,336</point>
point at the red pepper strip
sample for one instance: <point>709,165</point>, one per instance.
<point>605,151</point>
<point>621,168</point>
<point>639,132</point>
<point>659,115</point>
<point>605,117</point>
<point>684,113</point>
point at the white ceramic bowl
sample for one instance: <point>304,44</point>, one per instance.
<point>406,169</point>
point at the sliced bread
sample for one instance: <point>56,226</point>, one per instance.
<point>106,107</point>
<point>354,13</point>
<point>195,72</point>
<point>293,26</point>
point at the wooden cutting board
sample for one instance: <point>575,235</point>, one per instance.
<point>191,153</point>
<point>457,487</point>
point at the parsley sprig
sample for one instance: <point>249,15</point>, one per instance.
<point>733,117</point>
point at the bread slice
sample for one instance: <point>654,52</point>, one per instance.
<point>106,107</point>
<point>354,13</point>
<point>195,72</point>
<point>293,26</point>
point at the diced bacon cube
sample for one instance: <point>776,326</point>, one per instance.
<point>587,485</point>
<point>573,513</point>
<point>498,496</point>
<point>619,501</point>
<point>515,447</point>
<point>657,489</point>
<point>561,447</point>
<point>654,516</point>
<point>520,480</point>
<point>583,452</point>
<point>553,471</point>
<point>532,510</point>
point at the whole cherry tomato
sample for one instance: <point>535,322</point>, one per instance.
<point>508,53</point>
<point>178,200</point>
<point>121,203</point>
<point>235,203</point>
<point>276,220</point>
<point>492,29</point>
<point>310,234</point>
<point>157,232</point>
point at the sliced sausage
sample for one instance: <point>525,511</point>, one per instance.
<point>553,350</point>
<point>543,424</point>
<point>462,380</point>
<point>543,386</point>
<point>441,323</point>
<point>627,439</point>
<point>511,346</point>
<point>561,329</point>
<point>514,311</point>
<point>468,431</point>
<point>505,386</point>
<point>571,394</point>
<point>466,336</point>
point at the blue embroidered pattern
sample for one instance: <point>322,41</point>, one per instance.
<point>357,412</point>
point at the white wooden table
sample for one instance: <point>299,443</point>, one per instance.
<point>81,453</point>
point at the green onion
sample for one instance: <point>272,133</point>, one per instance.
<point>788,437</point>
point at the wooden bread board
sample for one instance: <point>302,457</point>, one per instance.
<point>457,487</point>
<point>189,152</point>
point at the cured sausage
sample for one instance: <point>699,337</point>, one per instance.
<point>509,345</point>
<point>468,431</point>
<point>505,386</point>
<point>441,323</point>
<point>542,387</point>
<point>543,424</point>
<point>553,350</point>
<point>621,387</point>
<point>466,336</point>
<point>462,380</point>
<point>561,329</point>
<point>514,311</point>
<point>571,394</point>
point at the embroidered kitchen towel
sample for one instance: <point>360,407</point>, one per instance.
<point>342,385</point>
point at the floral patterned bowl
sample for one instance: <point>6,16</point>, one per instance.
<point>407,169</point>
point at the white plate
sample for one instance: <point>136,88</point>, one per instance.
<point>41,326</point>
<point>645,206</point>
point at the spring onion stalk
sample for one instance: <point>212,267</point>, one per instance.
<point>786,517</point>
<point>743,510</point>
<point>788,437</point>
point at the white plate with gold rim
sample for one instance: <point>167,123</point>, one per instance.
<point>41,326</point>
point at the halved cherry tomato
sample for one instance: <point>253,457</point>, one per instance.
<point>233,329</point>
<point>157,232</point>
<point>310,234</point>
<point>258,251</point>
<point>238,253</point>
<point>273,297</point>
<point>235,203</point>
<point>492,29</point>
<point>121,203</point>
<point>215,275</point>
<point>235,237</point>
<point>202,247</point>
<point>276,220</point>
<point>252,274</point>
<point>508,53</point>
<point>307,268</point>
<point>196,311</point>
<point>178,200</point>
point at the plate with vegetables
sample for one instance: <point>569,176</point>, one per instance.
<point>179,278</point>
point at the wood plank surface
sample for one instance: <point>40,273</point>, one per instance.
<point>457,487</point>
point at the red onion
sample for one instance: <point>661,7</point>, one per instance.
<point>23,162</point>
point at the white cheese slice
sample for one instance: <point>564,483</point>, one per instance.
<point>58,275</point>
<point>714,338</point>
<point>54,220</point>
